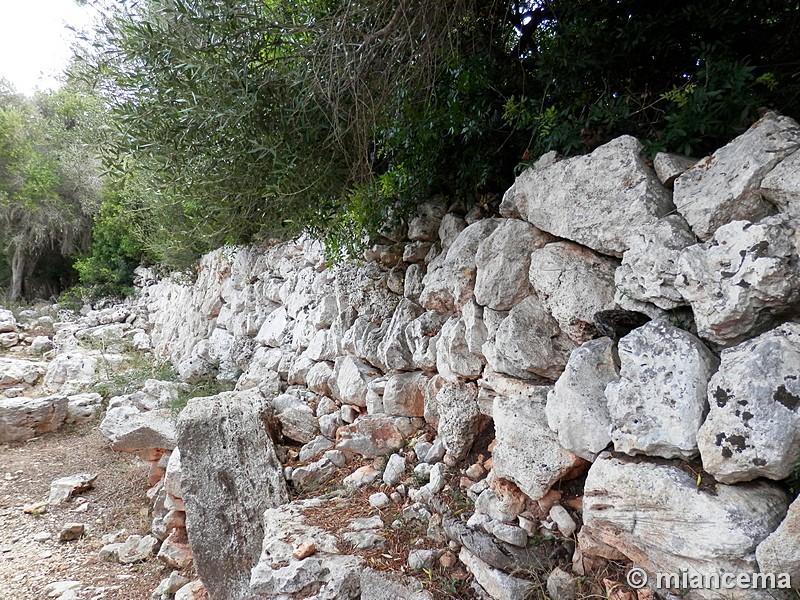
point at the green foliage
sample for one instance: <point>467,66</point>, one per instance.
<point>48,179</point>
<point>116,246</point>
<point>240,121</point>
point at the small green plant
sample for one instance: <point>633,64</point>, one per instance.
<point>137,369</point>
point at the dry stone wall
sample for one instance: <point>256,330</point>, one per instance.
<point>464,358</point>
<point>465,325</point>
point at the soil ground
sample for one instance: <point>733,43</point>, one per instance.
<point>117,501</point>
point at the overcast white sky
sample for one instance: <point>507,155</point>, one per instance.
<point>34,43</point>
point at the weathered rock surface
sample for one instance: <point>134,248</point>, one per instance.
<point>146,434</point>
<point>671,166</point>
<point>576,407</point>
<point>780,551</point>
<point>454,356</point>
<point>450,284</point>
<point>460,420</point>
<point>724,187</point>
<point>650,265</point>
<point>753,427</point>
<point>597,200</point>
<point>529,343</point>
<point>657,517</point>
<point>22,418</point>
<point>742,281</point>
<point>782,186</point>
<point>376,435</point>
<point>659,401</point>
<point>379,585</point>
<point>498,585</point>
<point>23,373</point>
<point>229,477</point>
<point>521,431</point>
<point>326,575</point>
<point>502,260</point>
<point>573,283</point>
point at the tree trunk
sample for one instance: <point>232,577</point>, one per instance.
<point>19,270</point>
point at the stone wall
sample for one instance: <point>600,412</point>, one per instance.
<point>679,431</point>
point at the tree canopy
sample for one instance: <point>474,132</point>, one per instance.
<point>49,180</point>
<point>240,121</point>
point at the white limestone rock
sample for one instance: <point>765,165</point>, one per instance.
<point>22,418</point>
<point>659,401</point>
<point>577,409</point>
<point>454,357</point>
<point>669,167</point>
<point>228,460</point>
<point>650,266</point>
<point>24,373</point>
<point>725,186</point>
<point>782,185</point>
<point>404,394</point>
<point>147,434</point>
<point>529,343</point>
<point>423,336</point>
<point>502,261</point>
<point>573,283</point>
<point>597,200</point>
<point>658,518</point>
<point>527,451</point>
<point>780,551</point>
<point>460,420</point>
<point>350,379</point>
<point>499,585</point>
<point>394,351</point>
<point>743,280</point>
<point>450,285</point>
<point>753,427</point>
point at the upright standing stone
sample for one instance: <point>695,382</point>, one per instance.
<point>229,477</point>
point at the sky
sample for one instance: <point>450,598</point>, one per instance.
<point>34,42</point>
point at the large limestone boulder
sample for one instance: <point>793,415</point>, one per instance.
<point>503,260</point>
<point>780,552</point>
<point>20,373</point>
<point>753,427</point>
<point>528,343</point>
<point>23,418</point>
<point>659,401</point>
<point>658,518</point>
<point>782,186</point>
<point>725,186</point>
<point>576,406</point>
<point>573,283</point>
<point>527,450</point>
<point>147,434</point>
<point>650,266</point>
<point>229,477</point>
<point>743,280</point>
<point>450,283</point>
<point>597,200</point>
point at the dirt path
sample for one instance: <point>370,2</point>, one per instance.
<point>118,501</point>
